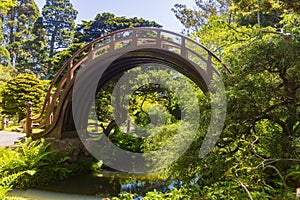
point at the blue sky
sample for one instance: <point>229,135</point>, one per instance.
<point>156,10</point>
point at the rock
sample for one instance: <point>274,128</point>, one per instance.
<point>73,147</point>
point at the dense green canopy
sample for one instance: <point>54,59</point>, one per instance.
<point>19,91</point>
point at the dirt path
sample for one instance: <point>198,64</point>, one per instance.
<point>8,138</point>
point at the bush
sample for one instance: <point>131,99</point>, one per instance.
<point>19,91</point>
<point>31,164</point>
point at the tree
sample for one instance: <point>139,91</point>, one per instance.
<point>20,90</point>
<point>105,23</point>
<point>246,5</point>
<point>36,49</point>
<point>19,19</point>
<point>59,21</point>
<point>61,57</point>
<point>263,13</point>
<point>5,6</point>
<point>24,39</point>
<point>193,18</point>
<point>258,148</point>
<point>144,98</point>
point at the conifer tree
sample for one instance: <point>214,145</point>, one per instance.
<point>59,20</point>
<point>5,6</point>
<point>20,38</point>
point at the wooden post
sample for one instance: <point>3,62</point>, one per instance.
<point>128,125</point>
<point>29,120</point>
<point>3,123</point>
<point>96,125</point>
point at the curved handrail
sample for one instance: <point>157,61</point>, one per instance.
<point>130,37</point>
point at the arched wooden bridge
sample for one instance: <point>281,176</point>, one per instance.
<point>124,49</point>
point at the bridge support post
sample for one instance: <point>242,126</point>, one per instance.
<point>49,118</point>
<point>28,129</point>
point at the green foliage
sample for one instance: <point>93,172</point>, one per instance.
<point>258,148</point>
<point>6,74</point>
<point>29,165</point>
<point>5,6</point>
<point>59,21</point>
<point>35,49</point>
<point>160,137</point>
<point>8,181</point>
<point>103,105</point>
<point>271,79</point>
<point>60,58</point>
<point>192,19</point>
<point>19,91</point>
<point>257,156</point>
<point>154,100</point>
<point>19,23</point>
<point>129,142</point>
<point>175,194</point>
<point>290,22</point>
<point>267,5</point>
<point>144,100</point>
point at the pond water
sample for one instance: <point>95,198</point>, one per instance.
<point>33,194</point>
<point>97,186</point>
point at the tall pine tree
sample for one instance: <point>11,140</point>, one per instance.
<point>21,38</point>
<point>59,20</point>
<point>5,6</point>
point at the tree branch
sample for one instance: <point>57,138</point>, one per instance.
<point>236,29</point>
<point>245,188</point>
<point>286,36</point>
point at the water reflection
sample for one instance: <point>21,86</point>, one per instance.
<point>98,186</point>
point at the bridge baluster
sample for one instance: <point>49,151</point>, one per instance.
<point>112,43</point>
<point>209,66</point>
<point>49,112</point>
<point>158,39</point>
<point>183,49</point>
<point>134,38</point>
<point>91,53</point>
<point>70,71</point>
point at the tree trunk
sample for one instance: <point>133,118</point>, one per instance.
<point>21,116</point>
<point>51,50</point>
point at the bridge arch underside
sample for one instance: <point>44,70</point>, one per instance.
<point>116,64</point>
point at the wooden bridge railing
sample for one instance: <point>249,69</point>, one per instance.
<point>127,38</point>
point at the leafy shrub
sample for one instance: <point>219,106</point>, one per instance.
<point>20,90</point>
<point>31,164</point>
